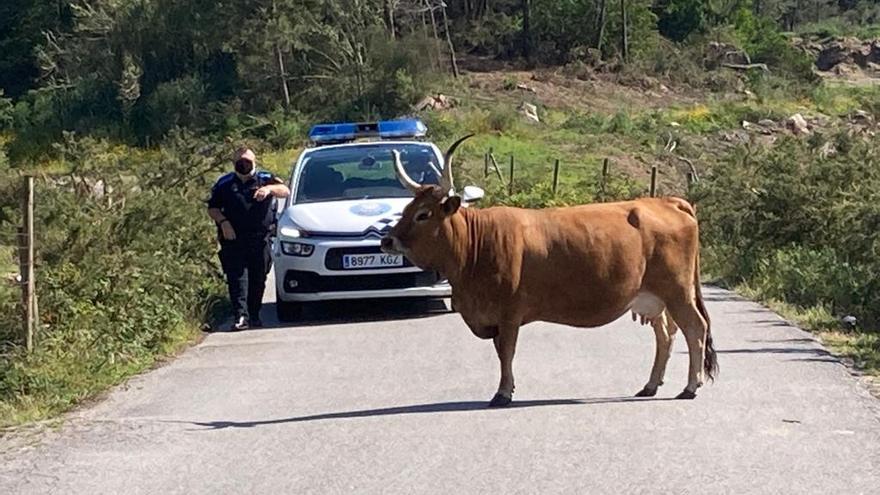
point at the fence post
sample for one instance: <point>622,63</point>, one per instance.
<point>26,263</point>
<point>486,165</point>
<point>510,183</point>
<point>653,180</point>
<point>556,176</point>
<point>604,182</point>
<point>495,166</point>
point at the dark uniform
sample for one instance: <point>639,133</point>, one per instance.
<point>246,260</point>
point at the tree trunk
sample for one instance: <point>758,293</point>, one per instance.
<point>388,11</point>
<point>757,6</point>
<point>600,29</point>
<point>452,60</point>
<point>624,39</point>
<point>437,56</point>
<point>527,30</point>
<point>283,75</point>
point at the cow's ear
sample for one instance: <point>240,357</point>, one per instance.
<point>451,204</point>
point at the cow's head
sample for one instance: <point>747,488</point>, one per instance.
<point>421,226</point>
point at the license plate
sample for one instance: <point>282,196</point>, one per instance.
<point>361,261</point>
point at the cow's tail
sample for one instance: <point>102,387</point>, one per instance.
<point>710,361</point>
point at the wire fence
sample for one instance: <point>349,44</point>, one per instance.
<point>17,267</point>
<point>513,174</point>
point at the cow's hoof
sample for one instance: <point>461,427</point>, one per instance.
<point>647,392</point>
<point>500,401</point>
<point>686,394</point>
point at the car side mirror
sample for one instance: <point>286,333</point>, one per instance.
<point>472,194</point>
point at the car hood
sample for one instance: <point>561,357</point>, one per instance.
<point>347,218</point>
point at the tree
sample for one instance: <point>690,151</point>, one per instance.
<point>678,19</point>
<point>22,23</point>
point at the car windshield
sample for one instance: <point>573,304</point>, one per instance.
<point>363,172</point>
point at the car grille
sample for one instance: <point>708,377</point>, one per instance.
<point>307,282</point>
<point>333,259</point>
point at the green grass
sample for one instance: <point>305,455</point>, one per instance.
<point>68,380</point>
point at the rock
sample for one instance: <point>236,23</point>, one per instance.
<point>835,53</point>
<point>827,150</point>
<point>798,124</point>
<point>861,116</point>
<point>845,69</point>
<point>746,124</point>
<point>767,123</point>
<point>438,102</point>
<point>529,111</point>
<point>525,87</point>
<point>850,52</point>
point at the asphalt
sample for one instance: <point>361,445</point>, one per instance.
<point>390,398</point>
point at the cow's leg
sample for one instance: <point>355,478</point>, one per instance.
<point>664,333</point>
<point>694,328</point>
<point>505,346</point>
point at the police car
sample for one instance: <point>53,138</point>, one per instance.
<point>344,197</point>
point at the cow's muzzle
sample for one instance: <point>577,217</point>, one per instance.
<point>388,246</point>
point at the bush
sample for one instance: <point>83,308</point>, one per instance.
<point>761,39</point>
<point>5,112</point>
<point>796,225</point>
<point>123,276</point>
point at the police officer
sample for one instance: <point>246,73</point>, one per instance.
<point>243,205</point>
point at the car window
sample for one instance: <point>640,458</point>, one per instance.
<point>363,172</point>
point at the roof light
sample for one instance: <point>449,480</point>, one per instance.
<point>386,129</point>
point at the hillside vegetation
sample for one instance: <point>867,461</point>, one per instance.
<point>126,112</point>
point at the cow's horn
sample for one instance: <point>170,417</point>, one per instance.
<point>446,178</point>
<point>402,176</point>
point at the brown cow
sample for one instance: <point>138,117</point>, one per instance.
<point>583,266</point>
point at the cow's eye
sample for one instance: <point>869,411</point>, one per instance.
<point>421,217</point>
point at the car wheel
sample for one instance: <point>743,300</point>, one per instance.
<point>287,311</point>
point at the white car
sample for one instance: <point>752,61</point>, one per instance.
<point>344,197</point>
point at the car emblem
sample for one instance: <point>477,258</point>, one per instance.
<point>370,209</point>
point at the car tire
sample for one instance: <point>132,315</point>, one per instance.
<point>287,311</point>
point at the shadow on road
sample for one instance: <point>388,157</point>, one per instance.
<point>355,311</point>
<point>440,407</point>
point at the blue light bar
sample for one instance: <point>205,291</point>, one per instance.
<point>386,129</point>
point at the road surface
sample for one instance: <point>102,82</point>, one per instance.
<point>379,399</point>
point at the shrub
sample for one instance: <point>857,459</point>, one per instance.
<point>123,277</point>
<point>796,225</point>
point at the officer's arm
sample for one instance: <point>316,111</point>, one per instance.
<point>215,206</point>
<point>216,215</point>
<point>275,185</point>
<point>279,190</point>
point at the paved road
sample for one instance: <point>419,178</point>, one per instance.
<point>376,400</point>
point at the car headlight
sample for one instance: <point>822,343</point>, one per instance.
<point>297,249</point>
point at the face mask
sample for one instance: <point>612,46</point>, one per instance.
<point>244,167</point>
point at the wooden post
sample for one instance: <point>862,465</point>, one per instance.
<point>624,34</point>
<point>495,166</point>
<point>653,181</point>
<point>690,184</point>
<point>510,181</point>
<point>604,180</point>
<point>26,263</point>
<point>556,176</point>
<point>486,165</point>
